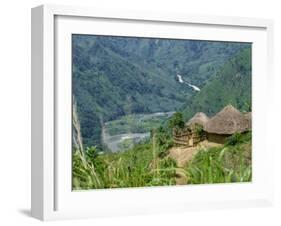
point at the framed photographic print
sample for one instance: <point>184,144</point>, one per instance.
<point>137,112</point>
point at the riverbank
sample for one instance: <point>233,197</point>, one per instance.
<point>126,131</point>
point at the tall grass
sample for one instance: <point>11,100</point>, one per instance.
<point>230,163</point>
<point>143,165</point>
<point>148,164</point>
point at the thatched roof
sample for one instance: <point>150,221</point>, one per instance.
<point>228,121</point>
<point>199,118</point>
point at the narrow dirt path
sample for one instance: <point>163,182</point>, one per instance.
<point>182,154</point>
<point>181,177</point>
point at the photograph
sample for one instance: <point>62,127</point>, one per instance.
<point>160,112</point>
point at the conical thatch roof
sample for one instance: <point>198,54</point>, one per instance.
<point>199,118</point>
<point>228,121</point>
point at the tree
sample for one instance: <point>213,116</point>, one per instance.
<point>176,121</point>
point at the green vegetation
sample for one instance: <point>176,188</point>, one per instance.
<point>117,76</point>
<point>176,121</point>
<point>199,130</point>
<point>230,163</point>
<point>231,85</point>
<point>120,83</point>
<point>148,164</point>
<point>143,165</point>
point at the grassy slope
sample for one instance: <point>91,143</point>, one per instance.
<point>148,165</point>
<point>230,163</point>
<point>143,165</point>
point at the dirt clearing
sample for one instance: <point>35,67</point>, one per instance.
<point>183,154</point>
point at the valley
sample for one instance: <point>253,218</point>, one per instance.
<point>134,101</point>
<point>118,76</point>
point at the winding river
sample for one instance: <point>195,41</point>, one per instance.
<point>115,142</point>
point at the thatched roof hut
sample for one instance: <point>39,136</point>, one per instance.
<point>199,118</point>
<point>228,121</point>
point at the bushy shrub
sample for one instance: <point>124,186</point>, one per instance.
<point>199,130</point>
<point>176,121</point>
<point>234,139</point>
<point>238,138</point>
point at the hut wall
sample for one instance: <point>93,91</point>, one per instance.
<point>181,137</point>
<point>187,138</point>
<point>181,141</point>
<point>196,139</point>
<point>216,138</point>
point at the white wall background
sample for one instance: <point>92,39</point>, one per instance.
<point>15,111</point>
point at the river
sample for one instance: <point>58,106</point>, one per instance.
<point>117,142</point>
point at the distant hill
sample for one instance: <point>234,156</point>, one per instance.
<point>231,85</point>
<point>115,76</point>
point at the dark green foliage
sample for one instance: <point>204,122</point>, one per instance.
<point>176,121</point>
<point>91,153</point>
<point>199,130</point>
<point>92,157</point>
<point>163,139</point>
<point>238,138</point>
<point>234,139</point>
<point>84,175</point>
<point>231,85</point>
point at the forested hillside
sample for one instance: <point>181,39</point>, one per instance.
<point>231,85</point>
<point>116,76</point>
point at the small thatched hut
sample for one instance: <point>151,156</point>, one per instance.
<point>199,118</point>
<point>188,136</point>
<point>182,136</point>
<point>225,123</point>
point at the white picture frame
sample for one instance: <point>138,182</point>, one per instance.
<point>52,197</point>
